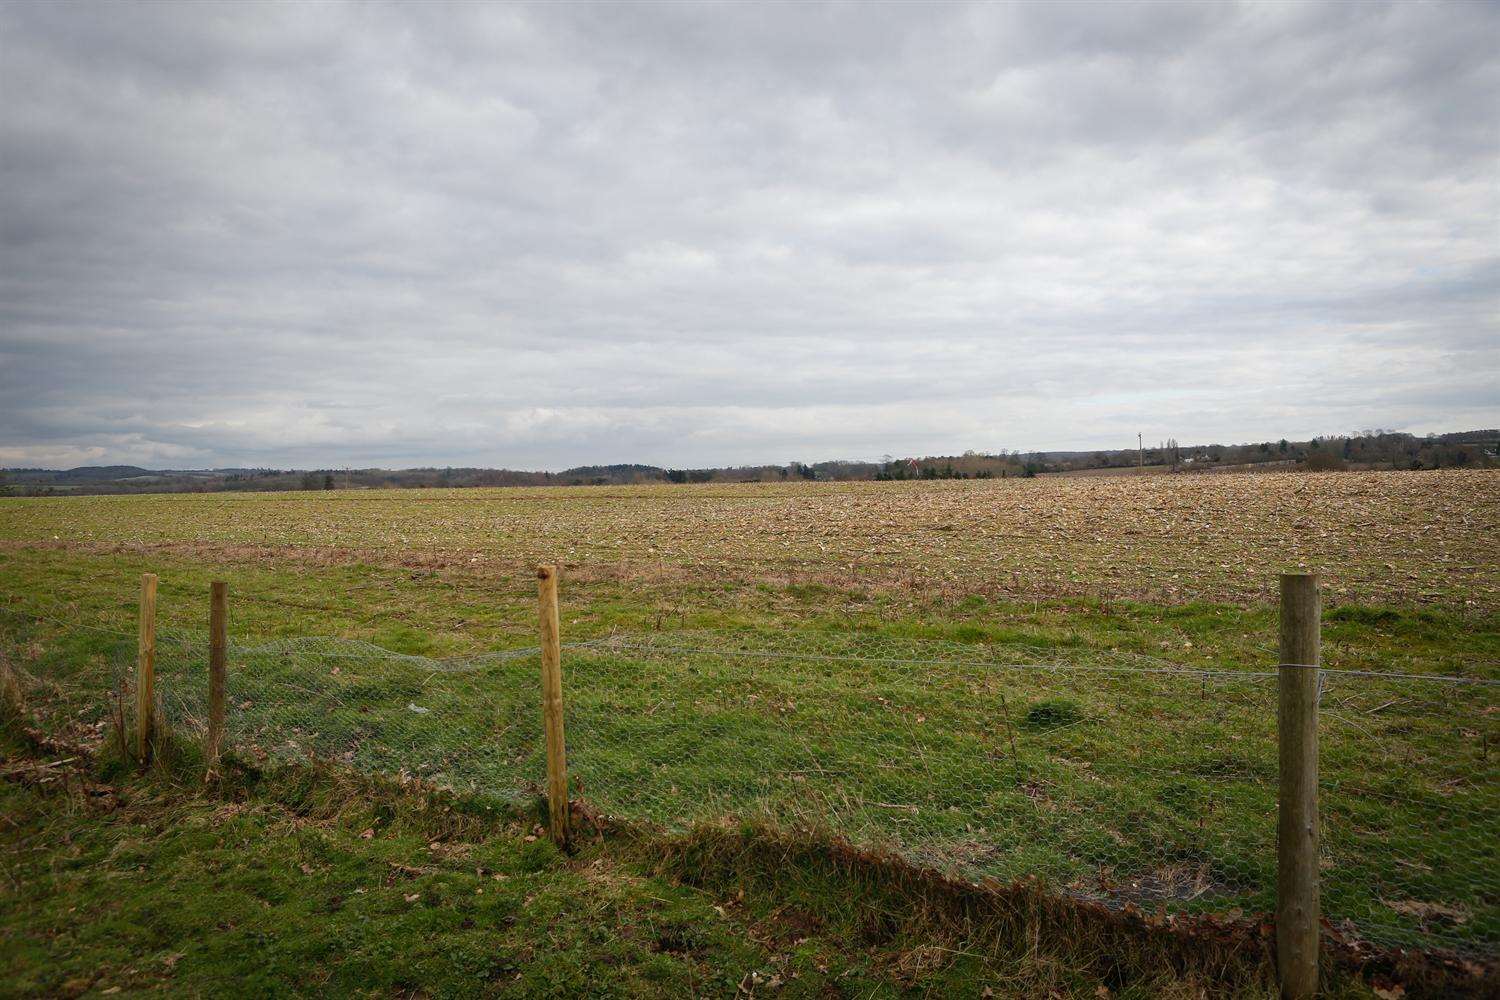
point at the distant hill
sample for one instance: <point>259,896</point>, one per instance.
<point>1369,450</point>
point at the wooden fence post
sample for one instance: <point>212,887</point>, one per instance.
<point>1297,805</point>
<point>558,813</point>
<point>145,668</point>
<point>218,643</point>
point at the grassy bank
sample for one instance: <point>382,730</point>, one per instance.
<point>1068,743</point>
<point>300,880</point>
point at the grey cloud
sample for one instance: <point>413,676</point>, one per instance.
<point>542,235</point>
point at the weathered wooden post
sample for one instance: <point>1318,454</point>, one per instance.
<point>558,813</point>
<point>1297,805</point>
<point>218,646</point>
<point>145,668</point>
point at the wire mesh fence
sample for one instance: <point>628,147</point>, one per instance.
<point>1410,809</point>
<point>1108,776</point>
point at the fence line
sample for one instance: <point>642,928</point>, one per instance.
<point>1127,782</point>
<point>645,643</point>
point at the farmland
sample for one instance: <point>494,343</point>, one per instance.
<point>878,603</point>
<point>1382,538</point>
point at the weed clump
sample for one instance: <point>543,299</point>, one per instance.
<point>12,698</point>
<point>1052,714</point>
<point>1363,615</point>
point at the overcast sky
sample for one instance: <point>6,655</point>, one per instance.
<point>691,234</point>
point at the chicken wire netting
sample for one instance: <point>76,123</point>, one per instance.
<point>1108,776</point>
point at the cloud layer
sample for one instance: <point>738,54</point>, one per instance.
<point>314,235</point>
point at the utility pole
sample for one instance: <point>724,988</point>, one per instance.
<point>1140,447</point>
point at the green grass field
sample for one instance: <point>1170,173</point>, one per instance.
<point>868,661</point>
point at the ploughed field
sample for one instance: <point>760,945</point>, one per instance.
<point>1404,538</point>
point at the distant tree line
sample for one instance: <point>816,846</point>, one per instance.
<point>1374,449</point>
